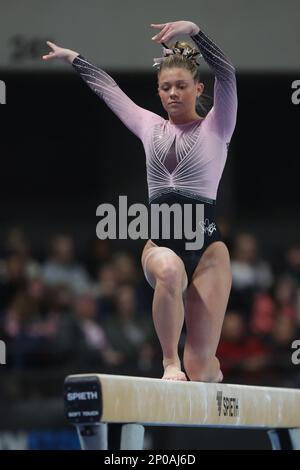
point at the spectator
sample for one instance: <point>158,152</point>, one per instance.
<point>105,289</point>
<point>99,254</point>
<point>25,330</point>
<point>127,272</point>
<point>268,306</point>
<point>243,358</point>
<point>17,244</point>
<point>97,350</point>
<point>292,267</point>
<point>61,268</point>
<point>250,274</point>
<point>125,268</point>
<point>14,279</point>
<point>131,333</point>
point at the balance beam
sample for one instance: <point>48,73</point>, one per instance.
<point>93,399</point>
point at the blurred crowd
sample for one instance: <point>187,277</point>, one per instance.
<point>62,312</point>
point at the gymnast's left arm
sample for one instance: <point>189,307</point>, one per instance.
<point>224,111</point>
<point>222,116</point>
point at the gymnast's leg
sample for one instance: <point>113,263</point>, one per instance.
<point>206,302</point>
<point>165,272</point>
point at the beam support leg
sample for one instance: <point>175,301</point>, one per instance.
<point>132,437</point>
<point>281,439</point>
<point>92,436</point>
<point>295,438</point>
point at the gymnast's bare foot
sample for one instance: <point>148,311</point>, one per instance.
<point>220,377</point>
<point>174,372</point>
<point>208,371</point>
<point>208,378</point>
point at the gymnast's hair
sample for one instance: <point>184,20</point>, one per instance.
<point>183,55</point>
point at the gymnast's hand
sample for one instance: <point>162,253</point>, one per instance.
<point>168,30</point>
<point>60,53</point>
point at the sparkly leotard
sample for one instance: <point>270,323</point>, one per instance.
<point>184,161</point>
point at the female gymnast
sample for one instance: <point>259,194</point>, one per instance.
<point>185,157</point>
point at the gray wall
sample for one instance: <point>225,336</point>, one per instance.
<point>257,35</point>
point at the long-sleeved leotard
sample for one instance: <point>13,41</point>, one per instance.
<point>199,147</point>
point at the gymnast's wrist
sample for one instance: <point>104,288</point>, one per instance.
<point>71,56</point>
<point>195,30</point>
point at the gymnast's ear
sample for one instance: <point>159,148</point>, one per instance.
<point>200,88</point>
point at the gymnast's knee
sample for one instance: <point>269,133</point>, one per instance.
<point>164,268</point>
<point>171,276</point>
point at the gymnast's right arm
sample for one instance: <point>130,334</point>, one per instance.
<point>134,117</point>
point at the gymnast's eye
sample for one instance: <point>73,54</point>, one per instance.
<point>167,88</point>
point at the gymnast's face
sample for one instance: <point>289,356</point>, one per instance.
<point>177,85</point>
